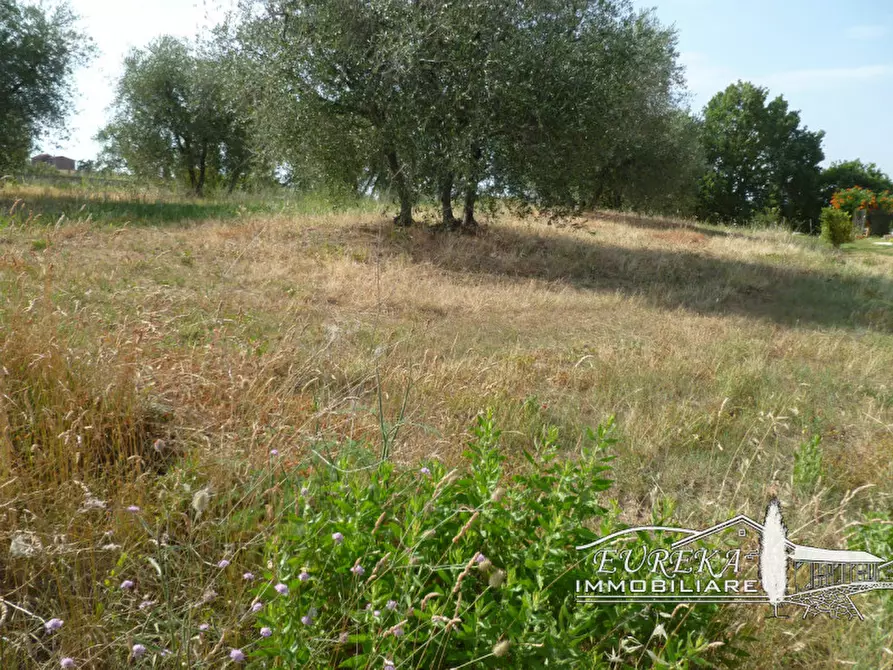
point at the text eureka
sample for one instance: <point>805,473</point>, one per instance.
<point>714,565</point>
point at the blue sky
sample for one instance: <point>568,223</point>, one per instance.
<point>831,60</point>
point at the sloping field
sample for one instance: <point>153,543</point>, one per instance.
<point>143,362</point>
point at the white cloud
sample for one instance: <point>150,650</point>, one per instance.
<point>706,78</point>
<point>866,32</point>
<point>822,78</point>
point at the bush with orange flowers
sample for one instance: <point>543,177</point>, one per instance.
<point>853,199</point>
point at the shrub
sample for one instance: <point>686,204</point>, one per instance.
<point>463,568</point>
<point>837,227</point>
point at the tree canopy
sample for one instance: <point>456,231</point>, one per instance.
<point>176,117</point>
<point>39,51</point>
<point>559,103</point>
<point>758,157</point>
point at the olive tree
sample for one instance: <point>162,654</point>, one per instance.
<point>39,51</point>
<point>175,116</point>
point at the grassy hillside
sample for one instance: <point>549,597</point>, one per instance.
<point>153,348</point>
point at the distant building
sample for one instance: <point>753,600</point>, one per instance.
<point>58,162</point>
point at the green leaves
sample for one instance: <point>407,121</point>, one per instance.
<point>175,118</point>
<point>454,563</point>
<point>39,50</point>
<point>758,157</point>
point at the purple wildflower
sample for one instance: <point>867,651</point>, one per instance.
<point>127,584</point>
<point>274,452</point>
<point>53,625</point>
<point>281,589</point>
<point>146,604</point>
<point>358,570</point>
<point>236,655</point>
<point>338,538</point>
<point>376,613</point>
<point>257,607</point>
<point>392,605</point>
<point>304,576</point>
<point>304,491</point>
<point>223,563</point>
<point>426,472</point>
<point>67,662</point>
<point>265,632</point>
<point>138,650</point>
<point>133,509</point>
<point>480,558</point>
<point>389,665</point>
<point>248,576</point>
<point>204,626</point>
<point>307,620</point>
<point>398,631</point>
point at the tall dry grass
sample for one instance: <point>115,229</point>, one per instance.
<point>141,365</point>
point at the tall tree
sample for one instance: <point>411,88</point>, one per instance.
<point>338,79</point>
<point>174,117</point>
<point>758,156</point>
<point>551,101</point>
<point>39,51</point>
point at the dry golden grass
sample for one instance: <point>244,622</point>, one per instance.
<point>719,351</point>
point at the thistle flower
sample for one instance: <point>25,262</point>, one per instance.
<point>223,563</point>
<point>248,576</point>
<point>127,584</point>
<point>265,632</point>
<point>53,625</point>
<point>281,589</point>
<point>138,650</point>
<point>67,662</point>
<point>501,648</point>
<point>304,576</point>
<point>236,655</point>
<point>257,607</point>
<point>338,538</point>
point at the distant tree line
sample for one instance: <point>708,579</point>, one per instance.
<point>565,105</point>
